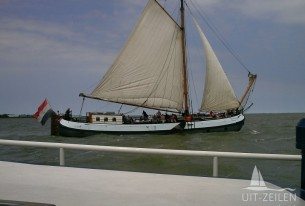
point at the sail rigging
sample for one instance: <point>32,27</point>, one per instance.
<point>218,93</point>
<point>149,70</point>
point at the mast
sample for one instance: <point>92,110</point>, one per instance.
<point>185,81</point>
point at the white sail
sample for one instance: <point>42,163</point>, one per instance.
<point>148,71</point>
<point>218,93</point>
<point>255,181</point>
<point>261,180</point>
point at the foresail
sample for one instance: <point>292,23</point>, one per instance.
<point>148,71</point>
<point>218,93</point>
<point>261,180</point>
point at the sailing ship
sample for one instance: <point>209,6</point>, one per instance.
<point>151,72</point>
<point>257,182</point>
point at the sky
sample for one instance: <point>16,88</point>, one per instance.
<point>57,49</point>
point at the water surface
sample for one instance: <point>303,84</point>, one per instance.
<point>262,133</point>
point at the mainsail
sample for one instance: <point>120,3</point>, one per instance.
<point>218,93</point>
<point>149,70</point>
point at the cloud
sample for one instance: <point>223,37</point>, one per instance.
<point>37,27</point>
<point>281,11</point>
<point>133,2</point>
<point>46,59</point>
<point>36,44</point>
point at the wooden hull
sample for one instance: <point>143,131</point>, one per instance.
<point>79,129</point>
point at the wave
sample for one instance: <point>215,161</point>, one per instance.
<point>252,131</point>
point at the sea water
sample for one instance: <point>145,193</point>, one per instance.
<point>262,133</point>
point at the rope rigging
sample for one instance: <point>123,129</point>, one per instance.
<point>216,32</point>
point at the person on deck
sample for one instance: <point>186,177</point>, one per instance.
<point>68,114</point>
<point>174,118</point>
<point>145,115</point>
<point>162,118</point>
<point>212,114</point>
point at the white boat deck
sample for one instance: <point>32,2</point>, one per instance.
<point>77,186</point>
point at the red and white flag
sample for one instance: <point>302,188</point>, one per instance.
<point>43,113</point>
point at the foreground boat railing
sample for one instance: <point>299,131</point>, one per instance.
<point>133,150</point>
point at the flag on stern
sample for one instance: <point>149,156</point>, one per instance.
<point>43,113</point>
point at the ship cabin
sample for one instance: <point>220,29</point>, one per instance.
<point>104,118</point>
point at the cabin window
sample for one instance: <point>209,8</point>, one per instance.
<point>106,119</point>
<point>97,119</point>
<point>114,119</point>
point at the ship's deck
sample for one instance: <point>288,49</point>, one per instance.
<point>77,186</point>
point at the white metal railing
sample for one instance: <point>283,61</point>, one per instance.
<point>214,154</point>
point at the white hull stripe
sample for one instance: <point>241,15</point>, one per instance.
<point>118,127</point>
<point>214,122</point>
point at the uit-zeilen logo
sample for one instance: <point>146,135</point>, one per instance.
<point>259,192</point>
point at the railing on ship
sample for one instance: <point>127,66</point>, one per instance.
<point>215,155</point>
